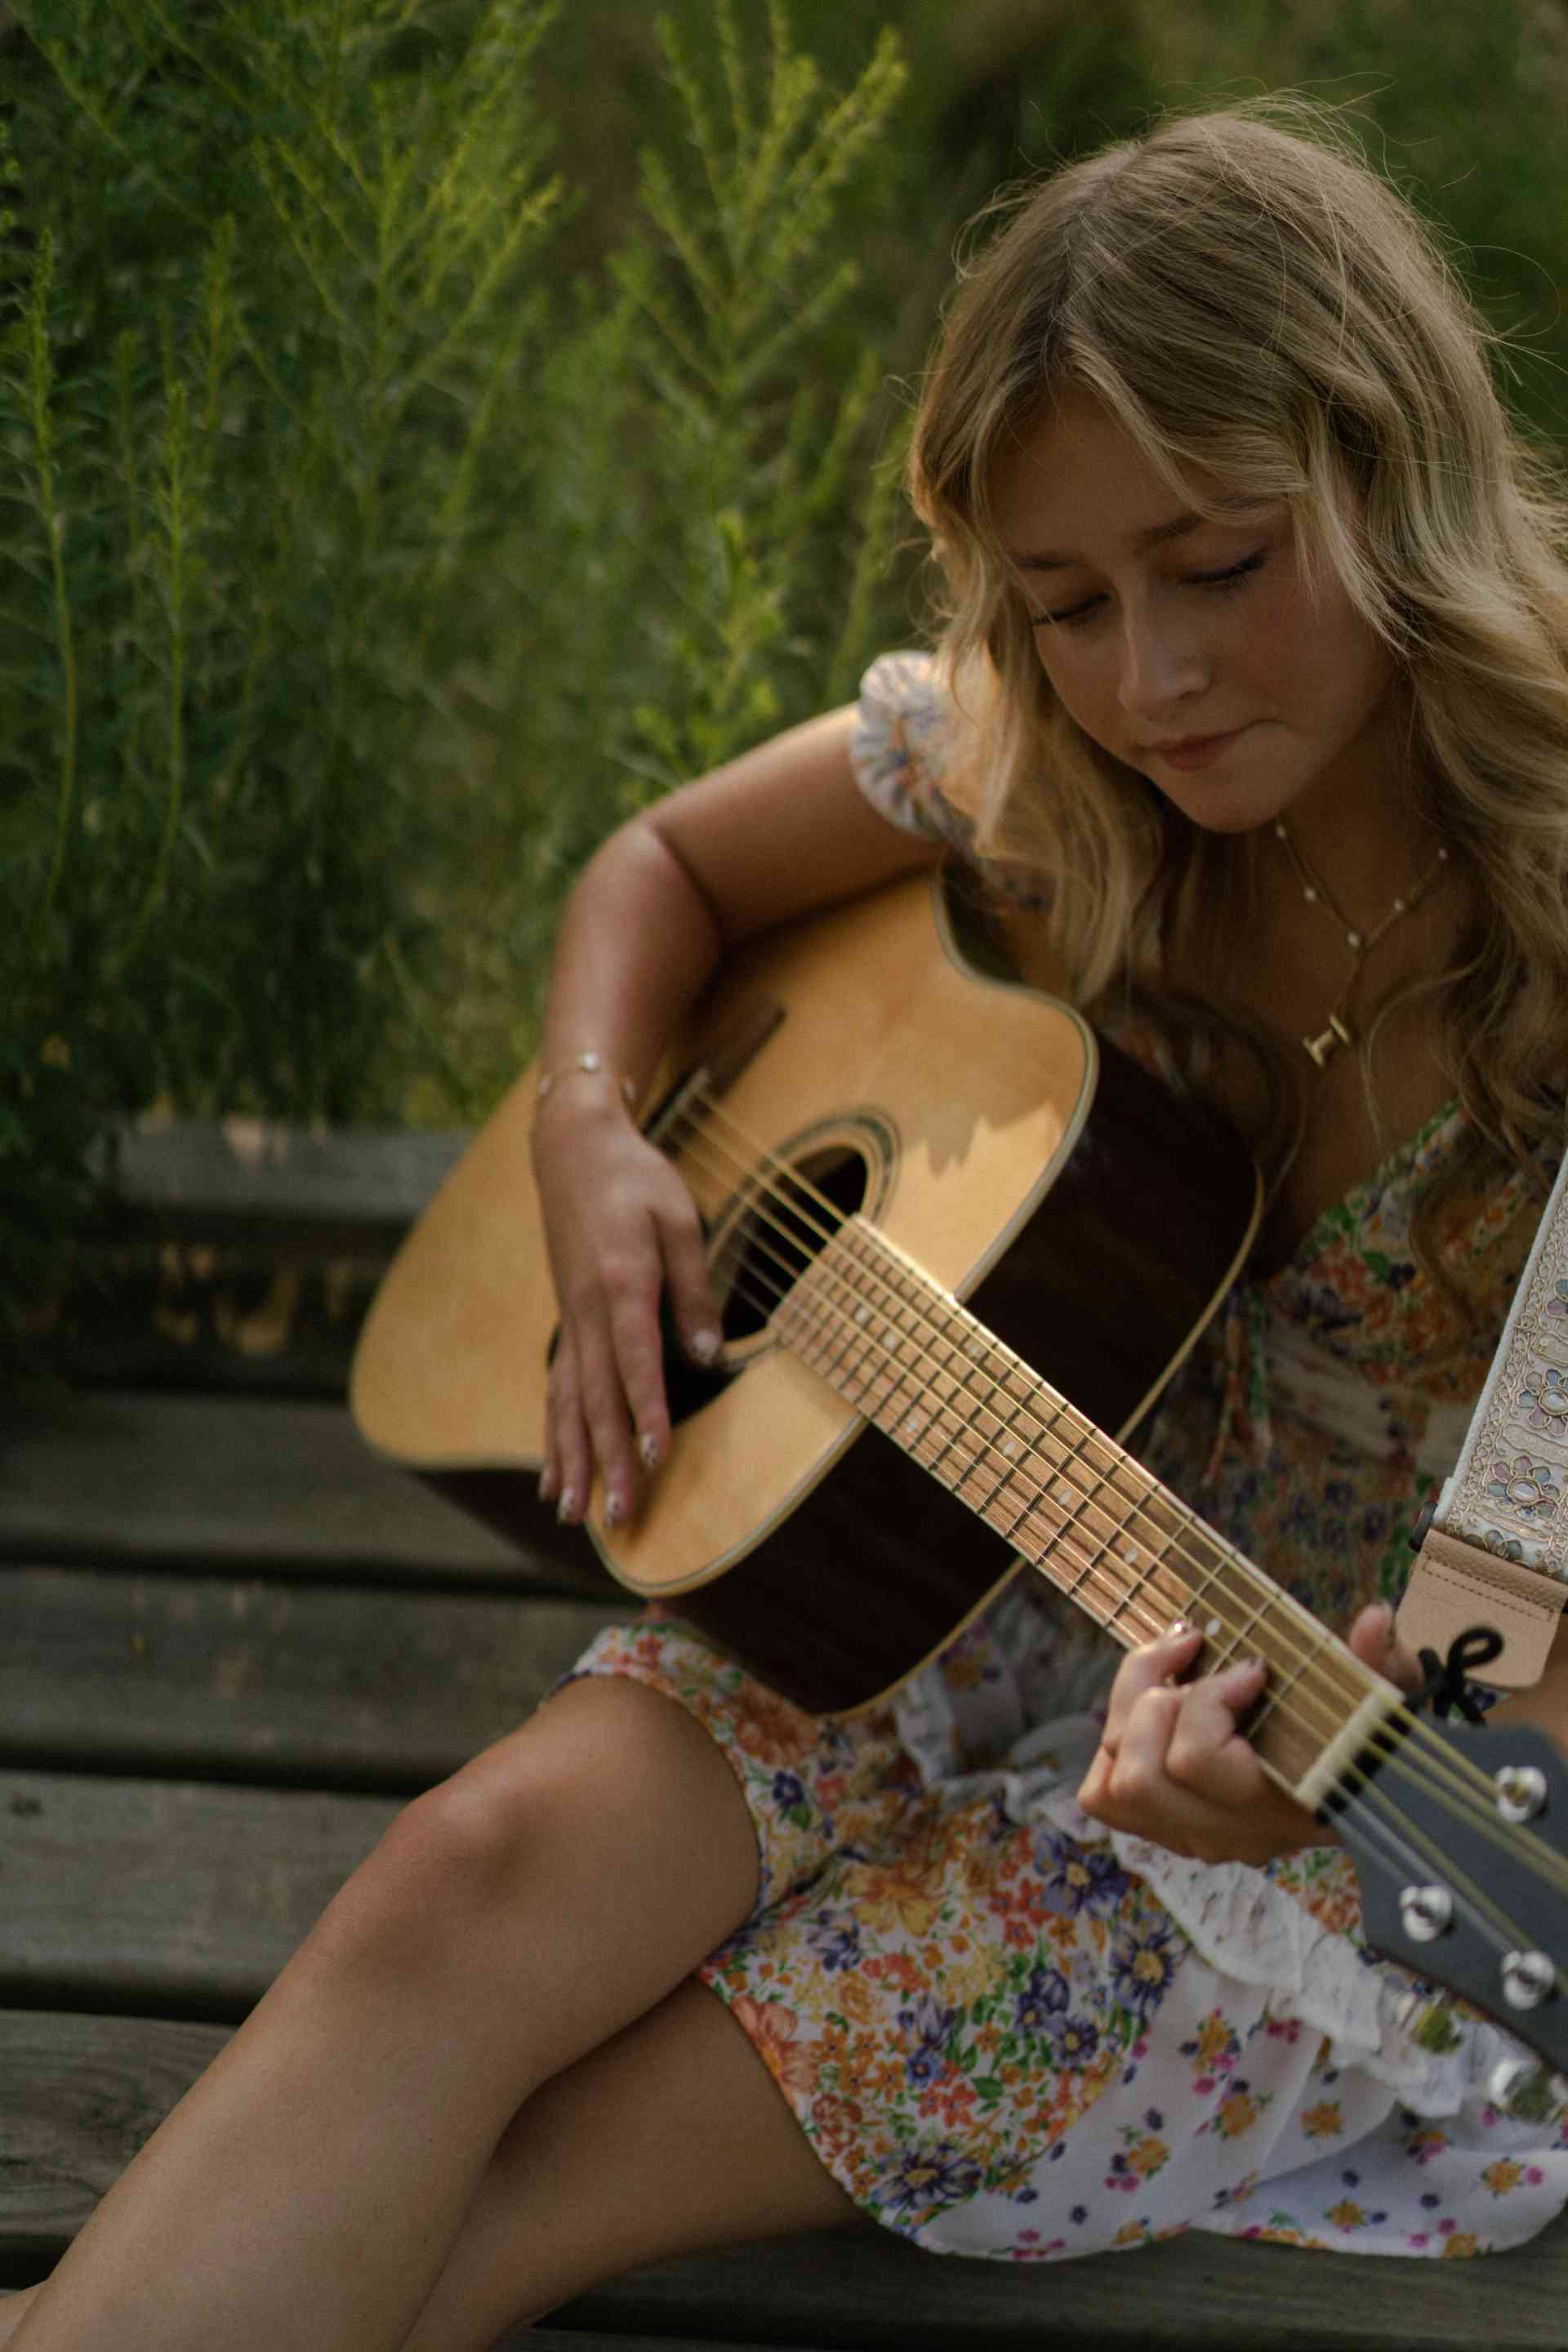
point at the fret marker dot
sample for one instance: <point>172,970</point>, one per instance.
<point>1130,1553</point>
<point>1011,1449</point>
<point>1212,1628</point>
<point>862,1315</point>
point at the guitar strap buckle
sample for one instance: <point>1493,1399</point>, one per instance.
<point>1498,1554</point>
<point>1449,1687</point>
<point>1456,1589</point>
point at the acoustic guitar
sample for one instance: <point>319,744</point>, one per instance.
<point>919,1181</point>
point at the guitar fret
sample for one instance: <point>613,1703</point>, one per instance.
<point>855,1331</point>
<point>966,1425</point>
<point>1052,1515</point>
<point>1066,1496</point>
<point>1279,1687</point>
<point>1240,1632</point>
<point>1010,1451</point>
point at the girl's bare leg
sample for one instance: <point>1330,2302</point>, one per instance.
<point>671,2139</point>
<point>13,2308</point>
<point>307,2192</point>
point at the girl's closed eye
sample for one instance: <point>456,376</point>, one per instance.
<point>1226,582</point>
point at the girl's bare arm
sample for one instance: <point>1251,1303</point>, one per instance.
<point>773,835</point>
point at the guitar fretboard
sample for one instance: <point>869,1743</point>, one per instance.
<point>906,1354</point>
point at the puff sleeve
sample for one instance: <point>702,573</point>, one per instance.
<point>899,749</point>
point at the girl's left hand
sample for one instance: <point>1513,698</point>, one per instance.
<point>1172,1767</point>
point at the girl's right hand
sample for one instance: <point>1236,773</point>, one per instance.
<point>620,1226</point>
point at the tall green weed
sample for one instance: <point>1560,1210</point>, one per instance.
<point>397,495</point>
<point>338,529</point>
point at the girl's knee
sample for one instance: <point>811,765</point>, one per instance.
<point>610,1794</point>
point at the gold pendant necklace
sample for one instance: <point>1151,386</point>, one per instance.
<point>1337,1030</point>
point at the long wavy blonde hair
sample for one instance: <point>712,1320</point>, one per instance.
<point>1249,298</point>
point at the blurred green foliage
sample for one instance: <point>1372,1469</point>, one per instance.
<point>436,427</point>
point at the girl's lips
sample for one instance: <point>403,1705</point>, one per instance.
<point>1195,750</point>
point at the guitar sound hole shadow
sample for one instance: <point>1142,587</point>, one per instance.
<point>758,1245</point>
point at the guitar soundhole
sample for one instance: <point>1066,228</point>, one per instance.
<point>784,1210</point>
<point>769,1244</point>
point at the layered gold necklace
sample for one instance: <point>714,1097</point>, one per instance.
<point>1337,1030</point>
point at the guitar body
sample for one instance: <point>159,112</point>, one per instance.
<point>1088,1218</point>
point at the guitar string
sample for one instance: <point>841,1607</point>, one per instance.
<point>1101,1479</point>
<point>1448,1764</point>
<point>1301,1660</point>
<point>1389,1835</point>
<point>1070,1459</point>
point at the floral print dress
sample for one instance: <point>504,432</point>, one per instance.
<point>1010,2032</point>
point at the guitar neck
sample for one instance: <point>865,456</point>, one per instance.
<point>1069,1499</point>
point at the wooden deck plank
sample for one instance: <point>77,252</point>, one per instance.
<point>250,1173</point>
<point>877,2294</point>
<point>275,1683</point>
<point>80,2093</point>
<point>145,1904</point>
<point>203,1481</point>
<point>166,1895</point>
<point>573,2339</point>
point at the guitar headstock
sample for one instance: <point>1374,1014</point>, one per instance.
<point>1459,1837</point>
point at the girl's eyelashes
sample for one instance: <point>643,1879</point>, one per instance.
<point>1229,579</point>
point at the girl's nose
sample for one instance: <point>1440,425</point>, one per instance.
<point>1162,663</point>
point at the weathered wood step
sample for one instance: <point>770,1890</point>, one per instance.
<point>573,2339</point>
<point>1196,2294</point>
<point>79,2095</point>
<point>236,1481</point>
<point>592,2339</point>
<point>315,1685</point>
<point>162,1896</point>
<point>332,1190</point>
<point>238,1253</point>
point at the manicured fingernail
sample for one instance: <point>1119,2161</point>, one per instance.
<point>648,1447</point>
<point>566,1508</point>
<point>615,1510</point>
<point>546,1486</point>
<point>705,1345</point>
<point>1174,1632</point>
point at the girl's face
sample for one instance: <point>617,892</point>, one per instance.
<point>1190,650</point>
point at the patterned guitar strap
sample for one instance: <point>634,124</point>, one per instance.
<point>1494,1554</point>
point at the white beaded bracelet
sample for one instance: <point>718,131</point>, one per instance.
<point>590,1062</point>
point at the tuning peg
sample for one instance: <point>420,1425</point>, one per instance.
<point>1527,1978</point>
<point>1425,1911</point>
<point>1520,1792</point>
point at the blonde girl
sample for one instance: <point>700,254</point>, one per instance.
<point>1250,716</point>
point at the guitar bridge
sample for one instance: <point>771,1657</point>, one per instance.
<point>737,1045</point>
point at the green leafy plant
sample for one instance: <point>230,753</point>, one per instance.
<point>719,507</point>
<point>336,527</point>
<point>270,284</point>
<point>365,567</point>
